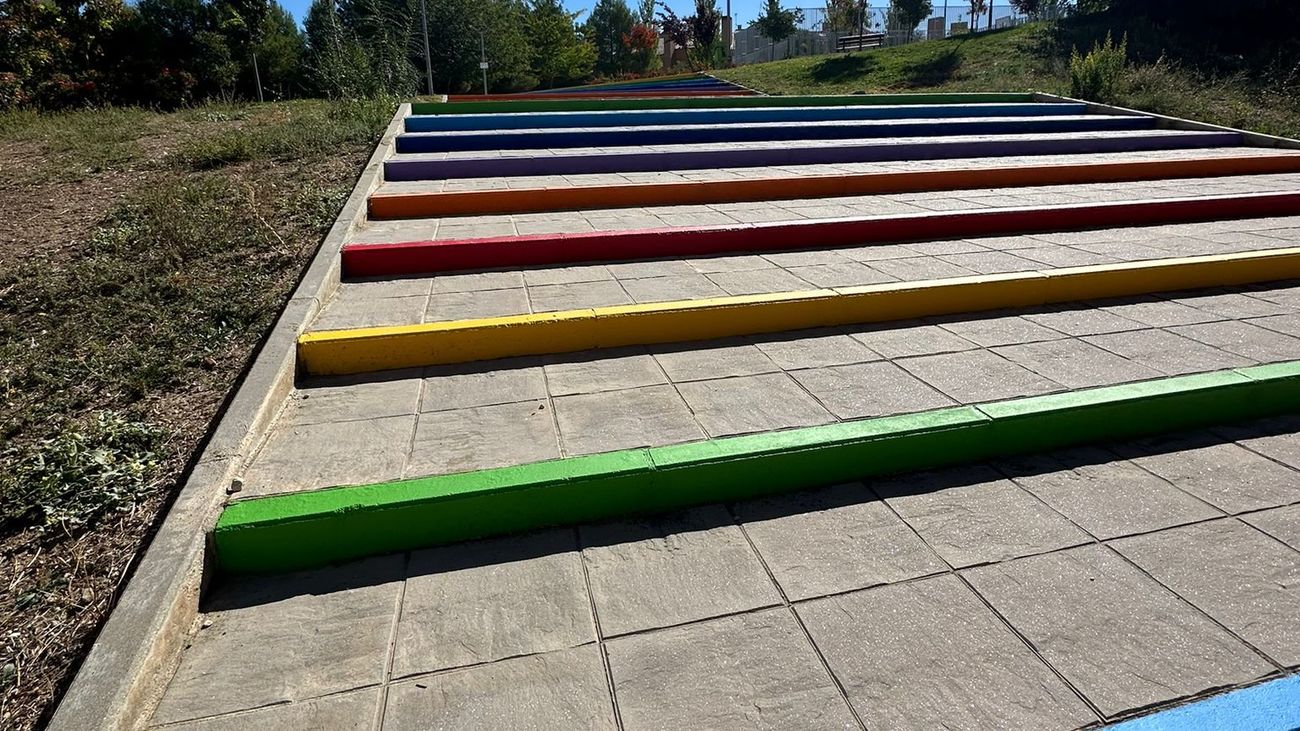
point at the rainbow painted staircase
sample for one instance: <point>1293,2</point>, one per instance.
<point>667,404</point>
<point>537,170</point>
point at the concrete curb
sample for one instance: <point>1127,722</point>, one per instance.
<point>1253,139</point>
<point>873,151</point>
<point>139,645</point>
<point>311,529</point>
<point>363,350</point>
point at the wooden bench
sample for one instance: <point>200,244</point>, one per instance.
<point>859,42</point>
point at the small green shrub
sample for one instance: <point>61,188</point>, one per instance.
<point>81,474</point>
<point>1095,76</point>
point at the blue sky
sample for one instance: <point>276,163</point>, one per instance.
<point>745,10</point>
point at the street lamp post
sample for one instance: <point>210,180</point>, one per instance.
<point>482,61</point>
<point>428,64</point>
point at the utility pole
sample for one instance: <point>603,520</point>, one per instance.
<point>990,27</point>
<point>428,64</point>
<point>482,63</point>
<point>257,78</point>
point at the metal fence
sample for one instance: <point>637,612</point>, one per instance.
<point>815,38</point>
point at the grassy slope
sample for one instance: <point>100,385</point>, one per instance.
<point>142,257</point>
<point>1034,58</point>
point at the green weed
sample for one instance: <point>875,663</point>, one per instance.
<point>1095,76</point>
<point>83,473</point>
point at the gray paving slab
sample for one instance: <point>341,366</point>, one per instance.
<point>481,437</point>
<point>286,638</point>
<point>672,287</point>
<point>1076,364</point>
<point>1156,312</point>
<point>864,390</point>
<point>333,453</point>
<point>1081,319</point>
<point>464,386</point>
<point>973,515</point>
<point>1274,438</point>
<point>1242,338</point>
<point>714,359</point>
<point>353,398</point>
<point>1224,475</point>
<point>814,349</point>
<point>994,329</point>
<point>833,539</point>
<point>1166,352</point>
<point>901,340</point>
<point>482,601</point>
<point>978,375</point>
<point>752,404</point>
<point>929,654</point>
<point>604,371</point>
<point>1106,496</point>
<point>753,671</point>
<point>759,281</point>
<point>578,295</point>
<point>637,417</point>
<point>1116,635</point>
<point>1245,580</point>
<point>1281,523</point>
<point>566,689</point>
<point>370,312</point>
<point>355,711</point>
<point>1233,305</point>
<point>473,305</point>
<point>678,568</point>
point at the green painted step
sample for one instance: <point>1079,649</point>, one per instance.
<point>533,104</point>
<point>311,529</point>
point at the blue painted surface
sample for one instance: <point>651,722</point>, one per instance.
<point>795,132</point>
<point>556,120</point>
<point>1271,706</point>
<point>877,151</point>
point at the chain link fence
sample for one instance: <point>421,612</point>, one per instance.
<point>872,26</point>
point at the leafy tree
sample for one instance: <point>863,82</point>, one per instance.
<point>56,54</point>
<point>559,56</point>
<point>776,24</point>
<point>674,28</point>
<point>280,52</point>
<point>641,44</point>
<point>609,21</point>
<point>645,12</point>
<point>907,14</point>
<point>336,61</point>
<point>1027,7</point>
<point>842,15</point>
<point>977,10</point>
<point>706,25</point>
